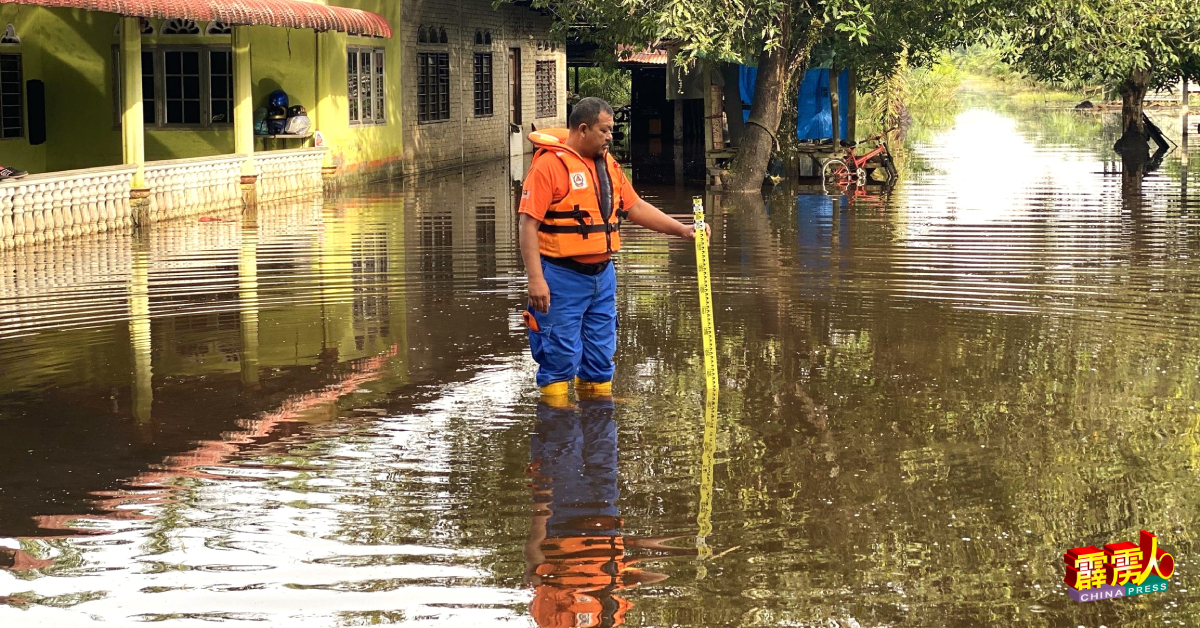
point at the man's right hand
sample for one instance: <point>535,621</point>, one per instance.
<point>539,294</point>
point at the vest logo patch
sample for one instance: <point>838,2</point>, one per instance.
<point>578,181</point>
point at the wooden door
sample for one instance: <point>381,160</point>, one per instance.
<point>514,86</point>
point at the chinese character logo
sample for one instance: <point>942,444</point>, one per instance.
<point>1119,570</point>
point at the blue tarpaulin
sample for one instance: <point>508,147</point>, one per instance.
<point>813,118</point>
<point>746,77</point>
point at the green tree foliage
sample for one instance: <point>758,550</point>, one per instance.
<point>779,36</point>
<point>1130,46</point>
<point>611,84</point>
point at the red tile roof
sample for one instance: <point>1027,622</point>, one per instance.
<point>285,13</point>
<point>650,55</point>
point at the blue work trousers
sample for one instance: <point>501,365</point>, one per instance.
<point>578,336</point>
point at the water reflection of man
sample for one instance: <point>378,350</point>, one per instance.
<point>575,556</point>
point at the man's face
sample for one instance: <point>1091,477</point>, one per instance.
<point>596,137</point>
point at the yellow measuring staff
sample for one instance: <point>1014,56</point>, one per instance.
<point>711,383</point>
<point>708,457</point>
<point>704,278</point>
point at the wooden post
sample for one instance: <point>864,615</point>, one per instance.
<point>1183,143</point>
<point>678,141</point>
<point>243,111</point>
<point>733,103</point>
<point>1183,108</point>
<point>716,117</point>
<point>710,163</point>
<point>833,106</point>
<point>133,136</point>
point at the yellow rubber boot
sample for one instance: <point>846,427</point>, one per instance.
<point>592,390</point>
<point>555,394</point>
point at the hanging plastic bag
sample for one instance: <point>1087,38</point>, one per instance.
<point>298,125</point>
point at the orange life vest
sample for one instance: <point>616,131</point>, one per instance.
<point>584,563</point>
<point>579,579</point>
<point>574,225</point>
<point>553,607</point>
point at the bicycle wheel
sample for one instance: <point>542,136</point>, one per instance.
<point>835,171</point>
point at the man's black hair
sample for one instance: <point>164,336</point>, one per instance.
<point>587,111</point>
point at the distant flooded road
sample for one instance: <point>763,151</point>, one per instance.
<point>324,413</point>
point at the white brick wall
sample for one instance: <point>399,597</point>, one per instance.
<point>465,138</point>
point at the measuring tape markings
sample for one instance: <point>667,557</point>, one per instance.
<point>711,383</point>
<point>704,278</point>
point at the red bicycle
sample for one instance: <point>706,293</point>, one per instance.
<point>852,169</point>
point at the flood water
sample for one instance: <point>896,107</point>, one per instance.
<point>325,415</point>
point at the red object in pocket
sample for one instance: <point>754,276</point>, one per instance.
<point>530,321</point>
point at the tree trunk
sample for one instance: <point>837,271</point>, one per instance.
<point>1133,131</point>
<point>775,68</point>
<point>1133,170</point>
<point>754,152</point>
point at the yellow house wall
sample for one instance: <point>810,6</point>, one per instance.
<point>72,52</point>
<point>17,152</point>
<point>361,151</point>
<point>280,59</point>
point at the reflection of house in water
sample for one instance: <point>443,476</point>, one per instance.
<point>464,221</point>
<point>371,311</point>
<point>207,325</point>
<point>121,102</point>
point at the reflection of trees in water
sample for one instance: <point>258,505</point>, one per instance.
<point>1092,130</point>
<point>921,456</point>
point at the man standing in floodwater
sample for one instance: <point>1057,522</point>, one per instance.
<point>575,198</point>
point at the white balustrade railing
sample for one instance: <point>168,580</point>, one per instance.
<point>187,187</point>
<point>284,173</point>
<point>69,283</point>
<point>44,207</point>
<point>280,220</point>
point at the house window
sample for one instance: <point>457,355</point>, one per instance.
<point>433,86</point>
<point>483,83</point>
<point>365,85</point>
<point>220,86</point>
<point>12,120</point>
<point>148,107</point>
<point>546,78</point>
<point>183,86</point>
<point>183,79</point>
<point>149,110</point>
